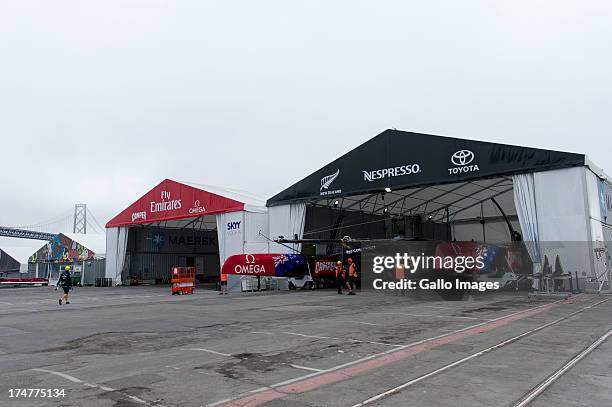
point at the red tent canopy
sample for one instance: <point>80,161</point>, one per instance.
<point>172,200</point>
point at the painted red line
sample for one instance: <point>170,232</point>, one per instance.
<point>311,383</point>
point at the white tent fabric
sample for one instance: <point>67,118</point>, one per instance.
<point>252,203</point>
<point>221,220</point>
<point>288,221</point>
<point>255,232</point>
<point>562,205</point>
<point>116,245</point>
<point>600,233</point>
<point>563,219</point>
<point>230,232</point>
<point>20,249</point>
<point>241,232</point>
<point>525,204</point>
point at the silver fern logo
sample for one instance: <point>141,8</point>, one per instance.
<point>327,181</point>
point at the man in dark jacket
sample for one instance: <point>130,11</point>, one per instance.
<point>65,281</point>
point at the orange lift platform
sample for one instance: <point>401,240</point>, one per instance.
<point>183,280</point>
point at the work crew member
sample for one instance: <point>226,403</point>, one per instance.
<point>223,284</point>
<point>339,270</point>
<point>400,274</point>
<point>352,280</point>
<point>65,281</point>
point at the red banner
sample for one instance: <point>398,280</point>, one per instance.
<point>325,269</point>
<point>250,264</point>
<point>172,200</point>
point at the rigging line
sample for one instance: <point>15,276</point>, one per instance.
<point>343,226</point>
<point>282,244</point>
<point>52,220</point>
<point>94,227</point>
<point>94,218</point>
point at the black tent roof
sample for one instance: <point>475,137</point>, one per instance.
<point>399,160</point>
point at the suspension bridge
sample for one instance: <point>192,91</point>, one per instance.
<point>78,220</point>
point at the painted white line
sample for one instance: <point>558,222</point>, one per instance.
<point>217,403</point>
<point>552,378</point>
<point>210,351</point>
<point>431,316</point>
<point>5,303</point>
<point>374,356</point>
<point>359,322</point>
<point>329,296</point>
<point>472,356</point>
<point>337,339</point>
<point>21,310</point>
<point>311,336</point>
<point>312,369</point>
<point>90,385</point>
<point>437,307</point>
<point>64,375</point>
<point>136,399</point>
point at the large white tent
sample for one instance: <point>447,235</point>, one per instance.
<point>192,212</point>
<point>18,250</point>
<point>556,202</point>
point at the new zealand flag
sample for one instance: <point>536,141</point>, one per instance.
<point>285,265</point>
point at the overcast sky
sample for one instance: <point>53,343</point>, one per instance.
<point>101,100</point>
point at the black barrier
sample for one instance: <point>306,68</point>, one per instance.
<point>104,282</point>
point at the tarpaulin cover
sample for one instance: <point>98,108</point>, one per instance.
<point>171,200</point>
<point>273,265</point>
<point>398,159</point>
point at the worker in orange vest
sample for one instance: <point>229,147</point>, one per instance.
<point>400,274</point>
<point>352,280</point>
<point>223,284</point>
<point>339,270</point>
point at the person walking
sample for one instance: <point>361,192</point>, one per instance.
<point>65,281</point>
<point>352,276</point>
<point>339,270</point>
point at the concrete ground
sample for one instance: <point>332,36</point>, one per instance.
<point>139,346</point>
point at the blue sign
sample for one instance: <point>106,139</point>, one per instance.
<point>233,225</point>
<point>605,200</point>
